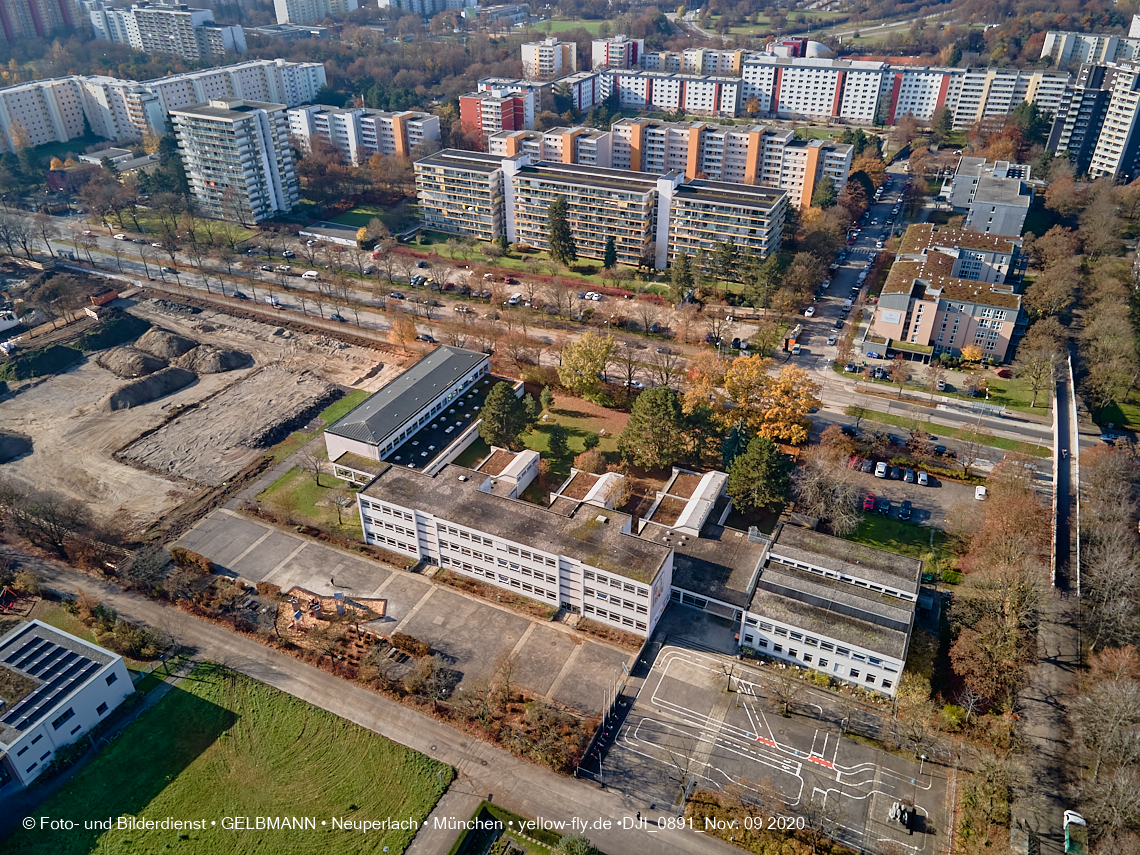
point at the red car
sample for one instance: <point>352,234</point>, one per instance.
<point>869,502</point>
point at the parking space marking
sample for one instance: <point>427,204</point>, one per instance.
<point>251,547</point>
<point>411,614</point>
<point>567,666</point>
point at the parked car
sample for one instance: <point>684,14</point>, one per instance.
<point>238,295</point>
<point>310,274</point>
<point>880,469</point>
<point>867,465</point>
<point>395,295</point>
<point>267,267</point>
<point>849,431</point>
<point>169,270</point>
<point>908,476</point>
<point>883,506</point>
<point>923,479</point>
<point>635,384</point>
<point>158,245</point>
<point>283,268</point>
<point>980,493</point>
<point>425,337</point>
<point>288,254</point>
<point>421,264</point>
<point>895,473</point>
<point>849,368</point>
<point>831,339</point>
<point>869,502</point>
<point>120,237</point>
<point>940,385</point>
<point>809,312</point>
<point>336,316</point>
<point>905,511</point>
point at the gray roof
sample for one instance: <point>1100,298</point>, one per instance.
<point>721,564</point>
<point>374,420</point>
<point>1002,191</point>
<point>837,597</point>
<point>583,536</point>
<point>57,663</point>
<point>846,557</point>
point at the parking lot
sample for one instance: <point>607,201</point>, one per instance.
<point>685,731</point>
<point>930,504</point>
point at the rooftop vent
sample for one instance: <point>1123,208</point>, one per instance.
<point>602,518</point>
<point>462,477</point>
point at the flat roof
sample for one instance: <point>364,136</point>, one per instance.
<point>720,564</point>
<point>573,173</point>
<point>1002,191</point>
<point>239,110</point>
<point>741,195</point>
<point>452,158</point>
<point>840,597</point>
<point>589,534</point>
<point>55,662</point>
<point>922,236</point>
<point>844,556</point>
<point>374,420</point>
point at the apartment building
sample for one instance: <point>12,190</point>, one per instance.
<point>1117,150</point>
<point>995,196</point>
<point>360,132</point>
<point>987,93</point>
<point>951,288</point>
<point>1072,49</point>
<point>586,146</point>
<point>66,686</point>
<point>1080,115</point>
<point>619,52</point>
<point>807,88</point>
<point>585,89</point>
<point>487,196</point>
<point>483,114</point>
<point>312,11</point>
<point>662,91</point>
<point>745,154</point>
<point>275,81</point>
<point>172,28</point>
<point>461,193</point>
<point>35,19</point>
<point>696,61</point>
<point>238,158</point>
<point>549,58</point>
<point>542,90</point>
<point>919,91</point>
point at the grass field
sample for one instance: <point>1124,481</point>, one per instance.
<point>221,745</point>
<point>314,502</point>
<point>396,218</point>
<point>904,538</point>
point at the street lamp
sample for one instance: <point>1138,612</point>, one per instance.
<point>921,763</point>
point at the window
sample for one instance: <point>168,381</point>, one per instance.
<point>777,648</point>
<point>886,684</point>
<point>37,739</point>
<point>20,753</point>
<point>58,723</point>
<point>843,651</point>
<point>854,674</point>
<point>826,645</point>
<point>762,643</point>
<point>807,658</point>
<point>111,678</point>
<point>783,633</point>
<point>871,679</point>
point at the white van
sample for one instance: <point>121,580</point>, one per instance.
<point>980,493</point>
<point>847,304</point>
<point>310,274</point>
<point>514,300</point>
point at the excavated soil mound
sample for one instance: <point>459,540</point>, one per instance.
<point>14,445</point>
<point>207,359</point>
<point>163,344</point>
<point>148,389</point>
<point>129,362</point>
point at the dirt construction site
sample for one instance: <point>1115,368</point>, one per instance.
<point>136,430</point>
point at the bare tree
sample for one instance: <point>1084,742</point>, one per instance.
<point>682,766</point>
<point>827,489</point>
<point>972,448</point>
<point>46,228</point>
<point>784,688</point>
<point>664,365</point>
<point>310,461</point>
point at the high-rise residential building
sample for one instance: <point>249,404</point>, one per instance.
<point>586,146</point>
<point>1117,149</point>
<point>745,154</point>
<point>650,216</point>
<point>1080,115</point>
<point>312,11</point>
<point>35,19</point>
<point>617,52</point>
<point>1070,49</point>
<point>995,196</point>
<point>660,91</point>
<point>485,113</point>
<point>988,93</point>
<point>238,158</point>
<point>360,132</point>
<point>951,288</point>
<point>166,28</point>
<point>120,110</point>
<point>549,58</point>
<point>796,87</point>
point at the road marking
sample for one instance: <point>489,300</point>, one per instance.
<point>281,566</point>
<point>252,547</point>
<point>523,639</point>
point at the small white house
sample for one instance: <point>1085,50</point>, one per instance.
<point>54,688</point>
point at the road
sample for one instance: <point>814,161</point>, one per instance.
<point>484,770</point>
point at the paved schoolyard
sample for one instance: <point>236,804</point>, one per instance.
<point>553,661</point>
<point>684,725</point>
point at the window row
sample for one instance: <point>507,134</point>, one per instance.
<point>616,618</point>
<point>617,601</point>
<point>821,664</point>
<point>613,582</point>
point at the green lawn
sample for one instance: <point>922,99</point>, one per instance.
<point>221,745</point>
<point>904,538</point>
<point>1029,448</point>
<point>477,841</point>
<point>1125,414</point>
<point>474,453</point>
<point>313,501</point>
<point>396,218</point>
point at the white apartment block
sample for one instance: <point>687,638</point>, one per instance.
<point>1080,48</point>
<point>1117,146</point>
<point>919,91</point>
<point>647,214</point>
<point>360,132</point>
<point>744,154</point>
<point>587,146</point>
<point>793,87</point>
<point>119,110</point>
<point>312,11</point>
<point>167,28</point>
<point>585,89</point>
<point>616,52</point>
<point>661,91</point>
<point>992,92</point>
<point>696,61</point>
<point>549,58</point>
<point>238,158</point>
<point>69,687</point>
